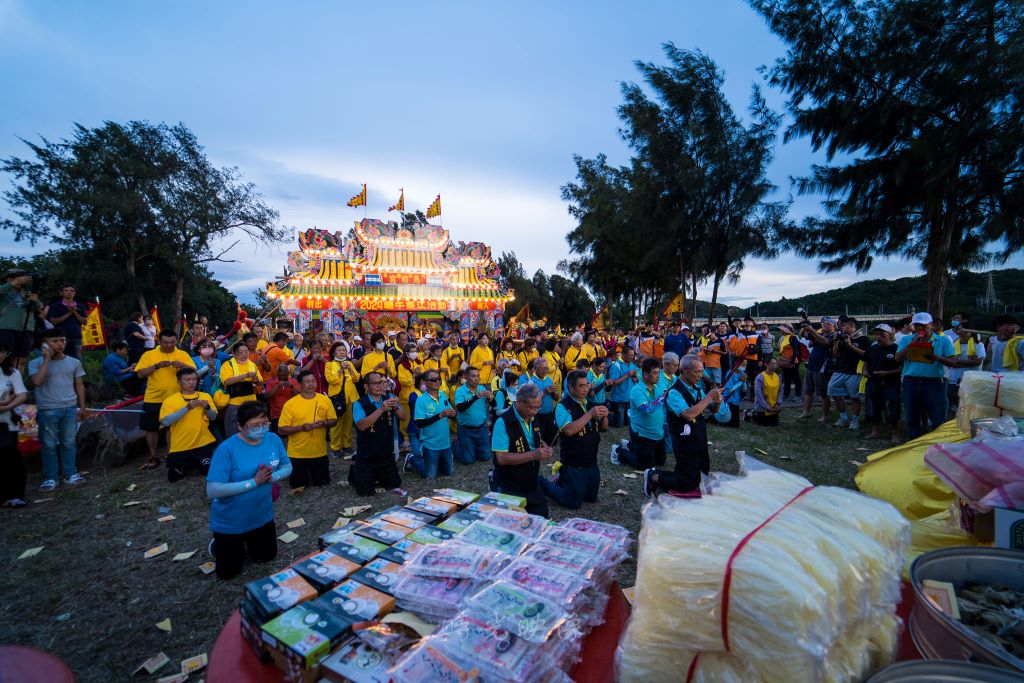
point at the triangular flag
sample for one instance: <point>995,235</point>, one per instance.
<point>434,209</point>
<point>400,204</point>
<point>93,336</point>
<point>156,319</point>
<point>359,199</point>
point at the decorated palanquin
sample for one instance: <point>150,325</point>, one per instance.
<point>383,275</point>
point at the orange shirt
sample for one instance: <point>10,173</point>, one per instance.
<point>275,356</point>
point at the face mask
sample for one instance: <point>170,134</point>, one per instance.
<point>413,355</point>
<point>379,346</point>
<point>206,352</point>
<point>955,323</point>
<point>257,433</point>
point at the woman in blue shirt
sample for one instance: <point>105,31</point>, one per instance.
<point>242,472</point>
<point>207,366</point>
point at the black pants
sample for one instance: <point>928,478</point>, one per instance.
<point>546,424</point>
<point>306,471</point>
<point>734,417</point>
<point>195,458</point>
<point>229,549</point>
<point>575,486</point>
<point>690,464</point>
<point>766,419</point>
<point>367,474</point>
<point>643,453</point>
<point>12,466</point>
<point>536,500</point>
<point>791,376</point>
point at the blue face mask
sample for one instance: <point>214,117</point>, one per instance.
<point>257,433</point>
<point>955,323</point>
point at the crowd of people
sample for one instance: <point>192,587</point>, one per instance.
<point>275,406</point>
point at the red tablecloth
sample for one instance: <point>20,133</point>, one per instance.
<point>25,665</point>
<point>232,661</point>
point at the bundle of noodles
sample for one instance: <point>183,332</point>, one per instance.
<point>768,579</point>
<point>988,394</point>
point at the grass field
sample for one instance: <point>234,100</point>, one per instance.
<point>91,598</point>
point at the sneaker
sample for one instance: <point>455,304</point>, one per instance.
<point>48,485</point>
<point>14,503</point>
<point>74,480</point>
<point>842,422</point>
<point>400,492</point>
<point>855,423</point>
<point>624,443</point>
<point>406,466</point>
<point>649,487</point>
<point>209,548</point>
<point>615,455</point>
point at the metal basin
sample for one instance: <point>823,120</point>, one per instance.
<point>943,671</point>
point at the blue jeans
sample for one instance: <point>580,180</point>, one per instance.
<point>474,444</point>
<point>428,464</point>
<point>618,413</point>
<point>923,397</point>
<point>574,486</point>
<point>57,428</point>
<point>415,445</point>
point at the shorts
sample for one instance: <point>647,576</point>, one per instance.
<point>17,342</point>
<point>815,383</point>
<point>843,385</point>
<point>715,374</point>
<point>149,421</point>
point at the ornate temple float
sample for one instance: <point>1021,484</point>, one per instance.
<point>381,275</point>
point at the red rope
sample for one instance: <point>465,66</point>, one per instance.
<point>995,399</point>
<point>125,403</point>
<point>727,584</point>
<point>693,668</point>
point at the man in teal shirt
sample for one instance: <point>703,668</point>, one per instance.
<point>622,377</point>
<point>923,369</point>
<point>579,423</point>
<point>545,417</point>
<point>432,411</point>
<point>471,406</point>
<point>667,379</point>
<point>646,447</point>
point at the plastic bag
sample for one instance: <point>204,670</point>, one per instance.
<point>522,523</point>
<point>982,471</point>
<point>453,559</point>
<point>479,533</point>
<point>505,605</point>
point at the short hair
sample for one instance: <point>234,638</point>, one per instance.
<point>249,410</point>
<point>409,346</point>
<point>54,333</point>
<point>1004,320</point>
<point>688,361</point>
<point>117,346</point>
<point>650,364</point>
<point>168,333</point>
<point>436,347</point>
<point>576,337</point>
<point>376,337</point>
<point>196,322</point>
<point>303,375</point>
<point>483,334</point>
<point>575,376</point>
<point>237,346</point>
<point>184,371</point>
<point>135,317</point>
<point>528,392</point>
<point>367,376</point>
<point>334,346</point>
<point>670,357</point>
<point>281,336</point>
<point>597,361</point>
<point>250,335</point>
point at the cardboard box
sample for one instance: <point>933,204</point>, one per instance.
<point>432,507</point>
<point>357,662</point>
<point>1009,529</point>
<point>384,532</point>
<point>325,569</point>
<point>273,595</point>
<point>358,549</point>
<point>340,534</point>
<point>379,574</point>
<point>358,602</point>
<point>460,498</point>
<point>430,534</point>
<point>304,635</point>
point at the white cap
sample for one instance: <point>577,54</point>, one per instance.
<point>883,327</point>
<point>921,319</point>
<point>685,327</point>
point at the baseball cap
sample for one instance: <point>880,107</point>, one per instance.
<point>14,272</point>
<point>826,319</point>
<point>922,318</point>
<point>685,327</point>
<point>883,327</point>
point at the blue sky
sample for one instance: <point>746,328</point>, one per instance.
<point>483,102</point>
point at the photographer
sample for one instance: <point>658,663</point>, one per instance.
<point>848,348</point>
<point>18,304</point>
<point>819,365</point>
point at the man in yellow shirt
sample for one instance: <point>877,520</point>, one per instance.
<point>159,368</point>
<point>575,353</point>
<point>305,420</point>
<point>453,357</point>
<point>187,415</point>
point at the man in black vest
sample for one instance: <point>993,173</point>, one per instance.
<point>519,450</point>
<point>688,429</point>
<point>579,478</point>
<point>375,416</point>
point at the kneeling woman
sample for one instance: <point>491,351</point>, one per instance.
<point>766,395</point>
<point>240,482</point>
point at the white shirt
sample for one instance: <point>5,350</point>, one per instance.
<point>10,386</point>
<point>953,375</point>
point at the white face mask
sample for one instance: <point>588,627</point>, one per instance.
<point>379,346</point>
<point>413,355</point>
<point>483,342</point>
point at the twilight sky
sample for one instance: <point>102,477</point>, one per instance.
<point>482,102</point>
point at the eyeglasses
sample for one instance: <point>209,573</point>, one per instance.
<point>432,379</point>
<point>380,381</point>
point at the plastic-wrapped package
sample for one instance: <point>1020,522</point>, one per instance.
<point>454,559</point>
<point>985,472</point>
<point>523,523</point>
<point>767,577</point>
<point>576,562</point>
<point>614,532</point>
<point>596,544</point>
<point>505,605</point>
<point>545,581</point>
<point>427,663</point>
<point>987,394</point>
<point>440,595</point>
<point>479,533</point>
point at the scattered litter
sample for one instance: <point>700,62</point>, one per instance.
<point>629,475</point>
<point>166,518</point>
<point>785,457</point>
<point>164,510</point>
<point>131,503</point>
<point>153,552</point>
<point>761,452</point>
<point>862,449</point>
<point>100,516</point>
<point>164,625</point>
<point>193,664</point>
<point>128,544</point>
<point>297,491</point>
<point>153,664</point>
<point>620,492</point>
<point>638,471</point>
<point>31,552</point>
<point>296,523</point>
<point>288,537</point>
<point>356,510</point>
<point>45,500</point>
<point>856,463</point>
<point>183,556</point>
<point>207,567</point>
<point>64,617</point>
<point>174,678</point>
<point>341,521</point>
<point>131,487</point>
<point>629,594</point>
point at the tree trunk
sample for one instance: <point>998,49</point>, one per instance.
<point>693,299</point>
<point>130,267</point>
<point>179,296</point>
<point>940,246</point>
<point>714,296</point>
<point>608,303</point>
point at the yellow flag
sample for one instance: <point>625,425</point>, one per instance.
<point>93,336</point>
<point>434,209</point>
<point>156,319</point>
<point>400,204</point>
<point>359,199</point>
<point>676,305</point>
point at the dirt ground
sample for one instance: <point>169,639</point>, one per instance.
<point>91,598</point>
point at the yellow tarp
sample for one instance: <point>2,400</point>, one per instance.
<point>899,476</point>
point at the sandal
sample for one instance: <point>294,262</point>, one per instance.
<point>152,464</point>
